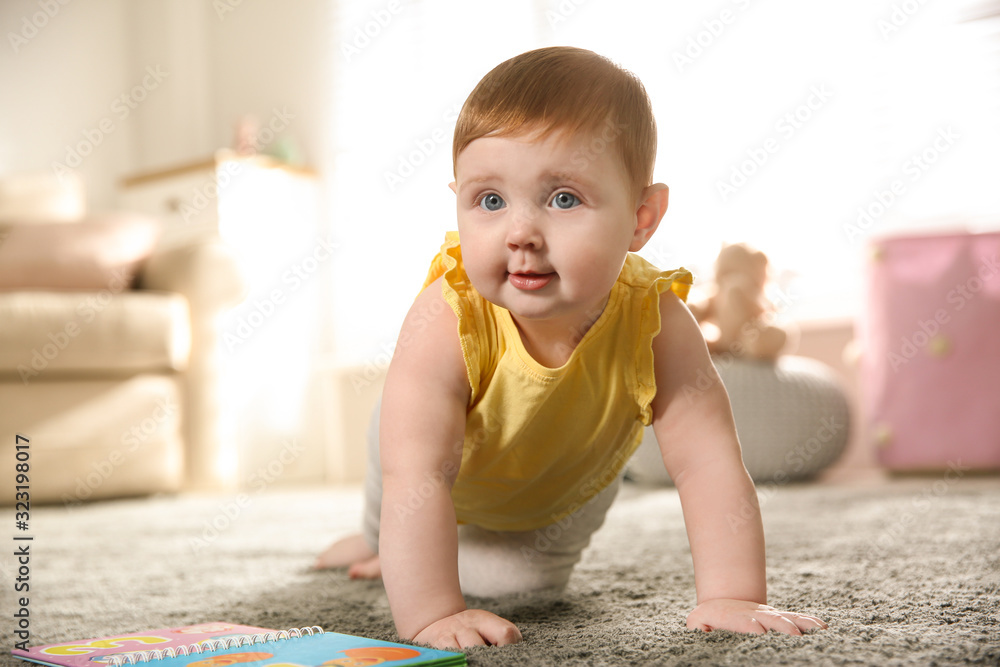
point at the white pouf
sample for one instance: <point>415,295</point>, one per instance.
<point>792,418</point>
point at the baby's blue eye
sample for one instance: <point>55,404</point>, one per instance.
<point>565,200</point>
<point>492,202</point>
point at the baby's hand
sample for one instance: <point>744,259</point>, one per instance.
<point>749,617</point>
<point>472,627</point>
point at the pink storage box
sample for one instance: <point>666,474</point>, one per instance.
<point>930,366</point>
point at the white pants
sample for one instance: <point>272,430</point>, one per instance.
<point>492,563</point>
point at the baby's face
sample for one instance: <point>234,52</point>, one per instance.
<point>545,224</point>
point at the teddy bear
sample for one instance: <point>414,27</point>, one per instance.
<point>737,316</point>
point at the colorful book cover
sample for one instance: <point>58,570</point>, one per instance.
<point>223,644</point>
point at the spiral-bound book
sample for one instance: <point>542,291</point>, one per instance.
<point>222,644</point>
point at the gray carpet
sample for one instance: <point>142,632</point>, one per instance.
<point>906,573</point>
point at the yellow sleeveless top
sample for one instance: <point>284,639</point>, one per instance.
<point>540,442</point>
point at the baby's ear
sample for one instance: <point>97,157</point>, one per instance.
<point>454,187</point>
<point>652,205</point>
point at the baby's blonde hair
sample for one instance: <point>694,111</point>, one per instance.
<point>570,89</point>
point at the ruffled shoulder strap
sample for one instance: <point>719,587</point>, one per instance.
<point>651,283</point>
<point>475,318</point>
<point>439,266</point>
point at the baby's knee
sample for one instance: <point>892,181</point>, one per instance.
<point>492,564</point>
<point>479,580</point>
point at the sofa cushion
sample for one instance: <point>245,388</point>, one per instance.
<point>93,254</point>
<point>95,438</point>
<point>46,335</point>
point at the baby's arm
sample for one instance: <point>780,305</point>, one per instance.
<point>421,434</point>
<point>693,422</point>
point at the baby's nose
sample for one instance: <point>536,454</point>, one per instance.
<point>523,229</point>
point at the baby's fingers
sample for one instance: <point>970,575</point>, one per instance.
<point>452,641</point>
<point>789,623</point>
<point>471,627</point>
<point>741,616</point>
<point>500,633</point>
<point>773,620</point>
<point>705,621</point>
<point>806,622</point>
<point>468,637</point>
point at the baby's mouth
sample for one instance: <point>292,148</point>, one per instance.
<point>530,281</point>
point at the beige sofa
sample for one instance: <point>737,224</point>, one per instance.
<point>109,368</point>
